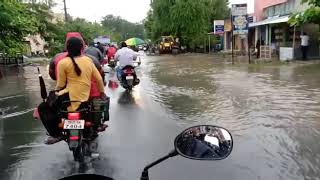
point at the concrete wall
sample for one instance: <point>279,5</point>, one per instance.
<point>261,4</point>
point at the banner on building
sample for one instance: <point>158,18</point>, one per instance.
<point>239,18</point>
<point>218,26</point>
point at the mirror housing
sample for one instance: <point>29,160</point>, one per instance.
<point>204,142</point>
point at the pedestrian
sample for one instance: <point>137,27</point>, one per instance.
<point>258,48</point>
<point>304,45</point>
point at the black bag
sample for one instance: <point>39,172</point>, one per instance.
<point>49,112</point>
<point>52,99</point>
<point>50,119</point>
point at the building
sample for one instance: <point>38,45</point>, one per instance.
<point>36,45</point>
<point>273,30</point>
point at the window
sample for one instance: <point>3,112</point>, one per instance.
<point>277,10</point>
<point>271,11</point>
<point>289,7</point>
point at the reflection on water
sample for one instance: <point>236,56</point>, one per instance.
<point>18,97</point>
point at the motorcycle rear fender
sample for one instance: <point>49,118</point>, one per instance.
<point>74,139</point>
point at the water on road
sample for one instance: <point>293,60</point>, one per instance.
<point>272,111</point>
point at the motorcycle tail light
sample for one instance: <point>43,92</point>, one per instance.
<point>128,71</point>
<point>74,138</point>
<point>88,124</point>
<point>73,116</point>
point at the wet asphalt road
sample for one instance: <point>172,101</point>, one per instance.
<point>272,111</point>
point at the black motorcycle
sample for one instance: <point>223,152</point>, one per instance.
<point>80,128</point>
<point>129,78</point>
<point>112,63</point>
<point>198,143</point>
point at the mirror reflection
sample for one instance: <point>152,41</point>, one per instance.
<point>204,143</point>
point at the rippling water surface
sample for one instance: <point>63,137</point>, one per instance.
<point>272,111</point>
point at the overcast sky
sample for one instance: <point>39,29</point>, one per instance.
<point>131,10</point>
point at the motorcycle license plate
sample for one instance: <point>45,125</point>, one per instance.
<point>73,124</point>
<point>129,78</point>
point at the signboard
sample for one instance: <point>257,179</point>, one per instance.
<point>218,27</point>
<point>239,19</point>
<point>240,24</point>
<point>102,39</point>
<point>239,9</point>
<point>227,25</point>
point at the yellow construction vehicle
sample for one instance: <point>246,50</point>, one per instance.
<point>166,44</point>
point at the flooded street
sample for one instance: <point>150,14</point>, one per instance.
<point>272,112</point>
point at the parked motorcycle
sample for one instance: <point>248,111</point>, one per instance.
<point>198,143</point>
<point>129,78</point>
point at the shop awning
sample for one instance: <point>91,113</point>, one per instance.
<point>273,20</point>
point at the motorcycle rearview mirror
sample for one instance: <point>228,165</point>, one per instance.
<point>203,142</point>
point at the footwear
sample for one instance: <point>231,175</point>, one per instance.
<point>102,128</point>
<point>136,82</point>
<point>52,140</point>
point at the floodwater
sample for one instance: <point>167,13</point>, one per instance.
<point>272,112</point>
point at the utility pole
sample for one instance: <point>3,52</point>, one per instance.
<point>65,11</point>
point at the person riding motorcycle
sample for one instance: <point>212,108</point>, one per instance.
<point>95,52</point>
<point>47,114</point>
<point>53,66</point>
<point>111,52</point>
<point>75,73</point>
<point>126,57</point>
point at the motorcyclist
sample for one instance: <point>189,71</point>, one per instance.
<point>101,48</point>
<point>53,70</point>
<point>95,52</point>
<point>126,57</point>
<point>111,52</point>
<point>75,73</point>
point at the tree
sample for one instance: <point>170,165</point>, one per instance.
<point>16,23</point>
<point>187,19</point>
<point>124,28</point>
<point>310,15</point>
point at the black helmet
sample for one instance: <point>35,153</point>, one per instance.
<point>123,44</point>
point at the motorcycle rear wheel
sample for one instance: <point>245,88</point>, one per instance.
<point>78,154</point>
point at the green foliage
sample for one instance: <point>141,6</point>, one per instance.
<point>16,22</point>
<point>310,15</point>
<point>187,19</point>
<point>88,30</point>
<point>122,29</point>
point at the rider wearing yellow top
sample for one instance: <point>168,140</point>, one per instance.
<point>75,73</point>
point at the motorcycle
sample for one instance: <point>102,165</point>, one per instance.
<point>128,79</point>
<point>112,63</point>
<point>80,129</point>
<point>203,142</point>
